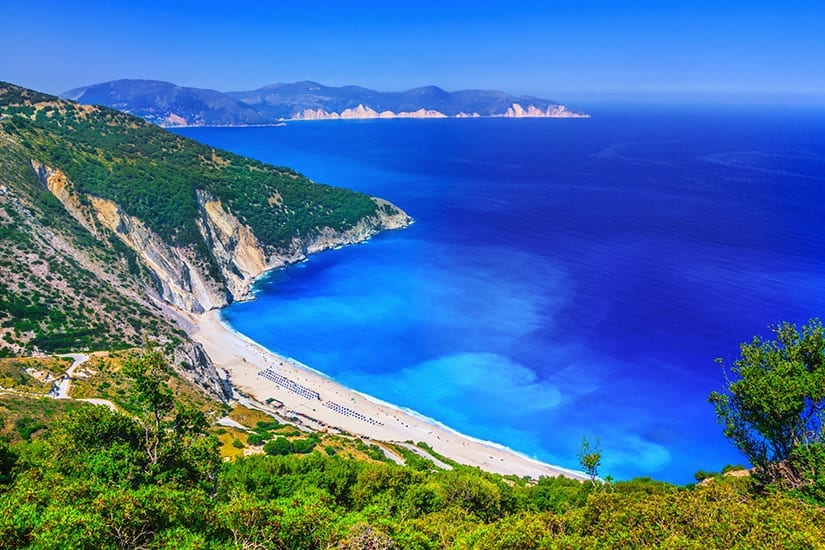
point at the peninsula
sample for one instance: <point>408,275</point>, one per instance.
<point>167,104</point>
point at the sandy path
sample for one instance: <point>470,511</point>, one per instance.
<point>306,393</point>
<point>104,402</point>
<point>425,455</point>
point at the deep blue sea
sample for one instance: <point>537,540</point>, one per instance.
<point>564,278</point>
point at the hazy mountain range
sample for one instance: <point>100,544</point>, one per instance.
<point>167,104</point>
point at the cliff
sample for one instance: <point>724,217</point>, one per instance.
<point>514,111</point>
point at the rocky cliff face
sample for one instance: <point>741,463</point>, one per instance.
<point>180,276</point>
<point>57,183</point>
<point>172,271</point>
<point>531,111</point>
<point>362,112</point>
<point>516,110</point>
<point>184,280</point>
<point>242,258</point>
<point>328,238</point>
<point>196,365</point>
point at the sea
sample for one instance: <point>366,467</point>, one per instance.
<point>564,278</point>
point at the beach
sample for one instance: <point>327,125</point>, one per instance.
<point>321,402</point>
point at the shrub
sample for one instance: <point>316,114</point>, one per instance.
<point>278,446</point>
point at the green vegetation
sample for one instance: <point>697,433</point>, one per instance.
<point>92,478</point>
<point>25,417</point>
<point>60,288</point>
<point>775,406</point>
<point>51,302</point>
<point>29,374</point>
<point>68,285</point>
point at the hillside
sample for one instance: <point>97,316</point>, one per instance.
<point>166,104</point>
<point>114,230</point>
<point>61,287</point>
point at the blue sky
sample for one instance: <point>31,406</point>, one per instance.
<point>557,49</point>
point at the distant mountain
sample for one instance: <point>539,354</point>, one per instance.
<point>166,104</point>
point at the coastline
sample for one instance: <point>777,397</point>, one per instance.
<point>243,359</point>
<point>283,121</point>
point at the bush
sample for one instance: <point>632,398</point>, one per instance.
<point>278,446</point>
<point>7,460</point>
<point>303,446</point>
<point>265,426</point>
<point>702,475</point>
<point>255,439</point>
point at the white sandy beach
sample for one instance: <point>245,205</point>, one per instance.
<point>356,414</point>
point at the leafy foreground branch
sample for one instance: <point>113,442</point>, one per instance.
<point>101,479</point>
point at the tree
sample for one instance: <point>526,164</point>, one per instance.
<point>775,399</point>
<point>590,458</point>
<point>174,435</point>
<point>148,371</point>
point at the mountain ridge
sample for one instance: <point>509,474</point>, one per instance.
<point>169,105</point>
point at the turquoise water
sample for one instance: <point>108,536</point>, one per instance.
<point>564,278</point>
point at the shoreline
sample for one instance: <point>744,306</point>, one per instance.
<point>338,407</point>
<point>282,122</point>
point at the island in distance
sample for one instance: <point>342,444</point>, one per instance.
<point>166,104</point>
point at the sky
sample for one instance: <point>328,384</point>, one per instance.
<point>551,49</point>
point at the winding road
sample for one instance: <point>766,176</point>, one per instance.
<point>62,390</point>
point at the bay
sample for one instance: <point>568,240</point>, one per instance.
<point>564,278</point>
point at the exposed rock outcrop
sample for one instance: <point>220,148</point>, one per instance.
<point>516,110</point>
<point>185,281</point>
<point>531,111</point>
<point>180,277</point>
<point>388,216</point>
<point>242,258</point>
<point>363,112</point>
<point>196,365</point>
<point>178,274</point>
<point>236,249</point>
<point>58,184</point>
